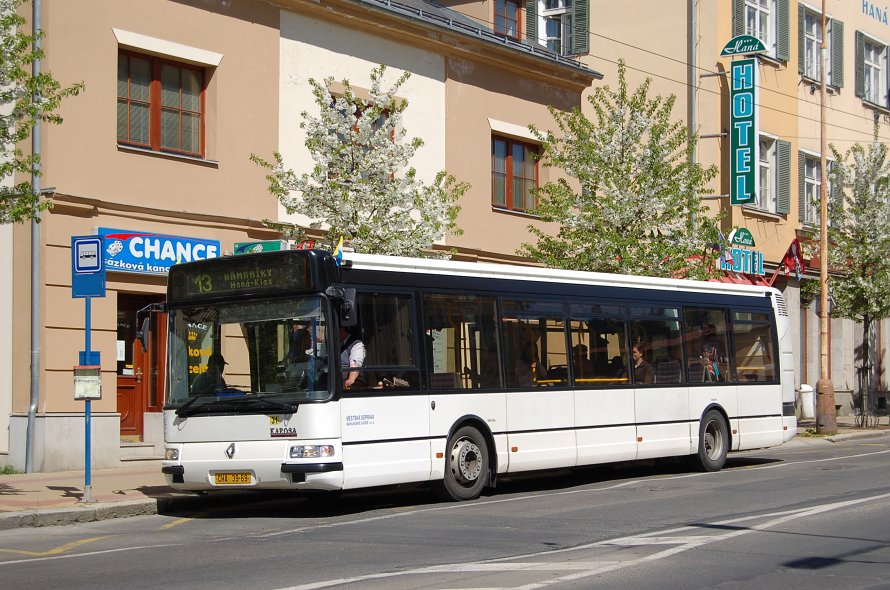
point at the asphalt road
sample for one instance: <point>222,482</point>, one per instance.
<point>801,516</point>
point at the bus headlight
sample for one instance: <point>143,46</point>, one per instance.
<point>171,454</point>
<point>311,451</point>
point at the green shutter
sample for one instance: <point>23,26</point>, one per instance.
<point>801,183</point>
<point>801,40</point>
<point>580,26</point>
<point>837,54</point>
<point>783,177</point>
<point>860,65</point>
<point>738,17</point>
<point>783,30</point>
<point>531,20</point>
<point>834,195</point>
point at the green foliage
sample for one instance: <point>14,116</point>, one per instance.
<point>634,203</point>
<point>19,113</point>
<point>859,232</point>
<point>8,470</point>
<point>361,187</point>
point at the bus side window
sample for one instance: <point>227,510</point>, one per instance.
<point>386,331</point>
<point>658,333</point>
<point>706,349</point>
<point>461,342</point>
<point>752,336</point>
<point>534,342</point>
<point>599,347</point>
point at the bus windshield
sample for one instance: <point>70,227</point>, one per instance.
<point>229,357</point>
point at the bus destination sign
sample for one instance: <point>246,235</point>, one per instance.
<point>238,275</point>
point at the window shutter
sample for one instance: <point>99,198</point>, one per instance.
<point>738,17</point>
<point>834,195</point>
<point>531,20</point>
<point>860,65</point>
<point>580,26</point>
<point>783,30</point>
<point>801,40</point>
<point>783,177</point>
<point>801,185</point>
<point>837,54</point>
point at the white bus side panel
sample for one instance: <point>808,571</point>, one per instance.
<point>662,421</point>
<point>723,395</point>
<point>540,425</point>
<point>604,419</point>
<point>760,416</point>
<point>385,440</point>
<point>490,408</point>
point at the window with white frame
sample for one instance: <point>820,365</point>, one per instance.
<point>766,196</point>
<point>811,191</point>
<point>760,20</point>
<point>813,45</point>
<point>874,62</point>
<point>557,16</point>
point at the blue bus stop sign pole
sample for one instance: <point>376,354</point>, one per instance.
<point>87,281</point>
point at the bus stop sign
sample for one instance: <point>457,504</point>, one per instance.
<point>87,267</point>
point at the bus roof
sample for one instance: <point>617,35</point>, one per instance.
<point>489,270</point>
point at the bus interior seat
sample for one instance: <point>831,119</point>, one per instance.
<point>444,381</point>
<point>667,371</point>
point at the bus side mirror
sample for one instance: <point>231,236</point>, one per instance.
<point>348,316</point>
<point>142,332</point>
<point>346,299</point>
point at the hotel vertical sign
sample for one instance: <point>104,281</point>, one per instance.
<point>744,145</point>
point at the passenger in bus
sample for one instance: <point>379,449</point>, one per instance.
<point>212,379</point>
<point>582,364</point>
<point>352,358</point>
<point>529,370</point>
<point>299,342</point>
<point>617,367</point>
<point>644,372</point>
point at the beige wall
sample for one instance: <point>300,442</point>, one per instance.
<point>82,156</point>
<point>479,96</point>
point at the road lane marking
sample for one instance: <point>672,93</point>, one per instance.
<point>682,544</point>
<point>57,550</point>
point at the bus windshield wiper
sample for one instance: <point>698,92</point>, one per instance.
<point>251,402</point>
<point>258,402</point>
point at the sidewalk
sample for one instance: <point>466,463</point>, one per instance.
<point>48,499</point>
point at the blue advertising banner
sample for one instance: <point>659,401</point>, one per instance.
<point>149,253</point>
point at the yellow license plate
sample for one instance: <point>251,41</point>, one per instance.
<point>232,478</point>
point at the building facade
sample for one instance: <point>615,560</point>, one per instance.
<point>155,157</point>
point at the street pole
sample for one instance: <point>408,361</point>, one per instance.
<point>826,419</point>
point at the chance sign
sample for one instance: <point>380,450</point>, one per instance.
<point>148,253</point>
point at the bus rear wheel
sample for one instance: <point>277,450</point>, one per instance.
<point>466,465</point>
<point>713,442</point>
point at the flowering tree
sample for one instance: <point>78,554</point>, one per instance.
<point>25,100</point>
<point>361,187</point>
<point>859,240</point>
<point>636,207</point>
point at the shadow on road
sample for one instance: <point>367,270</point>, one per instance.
<point>320,505</point>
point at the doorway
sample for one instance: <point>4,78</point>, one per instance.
<point>140,374</point>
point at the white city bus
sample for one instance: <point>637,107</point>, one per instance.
<point>471,371</point>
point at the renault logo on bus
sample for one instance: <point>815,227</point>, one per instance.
<point>230,450</point>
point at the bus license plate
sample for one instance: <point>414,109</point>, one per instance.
<point>234,478</point>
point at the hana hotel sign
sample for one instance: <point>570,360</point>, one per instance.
<point>149,253</point>
<point>738,258</point>
<point>744,121</point>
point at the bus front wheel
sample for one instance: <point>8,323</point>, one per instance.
<point>466,465</point>
<point>713,442</point>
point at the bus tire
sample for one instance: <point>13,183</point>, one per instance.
<point>466,465</point>
<point>713,442</point>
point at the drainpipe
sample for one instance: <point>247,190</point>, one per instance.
<point>35,261</point>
